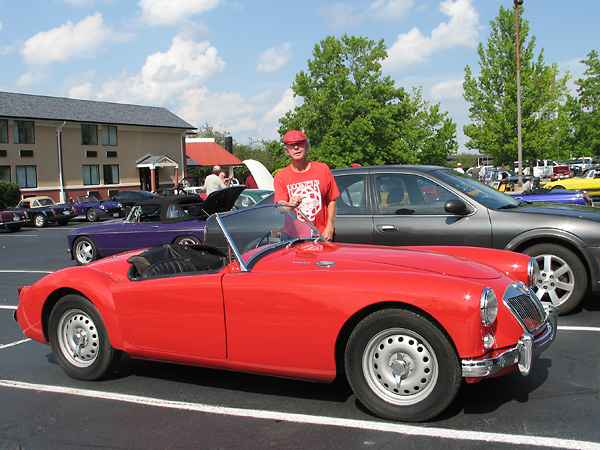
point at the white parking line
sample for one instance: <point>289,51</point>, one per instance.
<point>25,271</point>
<point>569,328</point>
<point>387,427</point>
<point>12,344</point>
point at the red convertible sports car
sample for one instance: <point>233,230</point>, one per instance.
<point>268,294</point>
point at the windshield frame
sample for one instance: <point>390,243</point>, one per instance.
<point>247,257</point>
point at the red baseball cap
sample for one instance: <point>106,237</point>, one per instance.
<point>293,136</point>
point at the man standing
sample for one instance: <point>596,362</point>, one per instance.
<point>214,182</point>
<point>308,185</point>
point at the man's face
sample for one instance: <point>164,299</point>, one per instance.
<point>296,151</point>
<point>222,175</point>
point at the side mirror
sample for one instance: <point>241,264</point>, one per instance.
<point>456,207</point>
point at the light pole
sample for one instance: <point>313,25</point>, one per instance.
<point>519,134</point>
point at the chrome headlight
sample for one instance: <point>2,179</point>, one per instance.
<point>533,272</point>
<point>488,307</point>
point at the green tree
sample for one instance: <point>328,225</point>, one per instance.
<point>585,110</point>
<point>493,97</point>
<point>352,114</point>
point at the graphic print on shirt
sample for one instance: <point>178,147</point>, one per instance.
<point>310,192</point>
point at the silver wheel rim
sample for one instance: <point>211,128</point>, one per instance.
<point>556,282</point>
<point>188,241</point>
<point>91,215</point>
<point>39,221</point>
<point>84,252</point>
<point>400,366</point>
<point>78,338</point>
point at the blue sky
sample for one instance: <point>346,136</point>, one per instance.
<point>231,63</point>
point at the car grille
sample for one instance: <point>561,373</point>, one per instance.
<point>526,307</point>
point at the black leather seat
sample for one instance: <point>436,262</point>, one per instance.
<point>168,267</point>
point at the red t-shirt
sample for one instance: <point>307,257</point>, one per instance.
<point>316,186</point>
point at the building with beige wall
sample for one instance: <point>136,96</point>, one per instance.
<point>64,147</point>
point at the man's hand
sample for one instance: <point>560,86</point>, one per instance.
<point>295,201</point>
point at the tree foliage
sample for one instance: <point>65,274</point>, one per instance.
<point>353,114</point>
<point>493,97</point>
<point>585,110</point>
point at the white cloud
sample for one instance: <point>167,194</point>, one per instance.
<point>173,12</point>
<point>462,29</point>
<point>390,9</point>
<point>164,76</point>
<point>446,90</point>
<point>78,40</point>
<point>30,78</point>
<point>229,111</point>
<point>84,91</point>
<point>274,58</point>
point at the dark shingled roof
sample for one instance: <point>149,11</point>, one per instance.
<point>26,106</point>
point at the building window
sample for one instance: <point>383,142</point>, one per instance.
<point>111,154</point>
<point>24,132</point>
<point>111,174</point>
<point>89,134</point>
<point>4,173</point>
<point>91,175</point>
<point>3,131</point>
<point>3,153</point>
<point>109,135</point>
<point>26,153</point>
<point>91,153</point>
<point>27,176</point>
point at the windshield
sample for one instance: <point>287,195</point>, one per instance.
<point>241,233</point>
<point>482,193</point>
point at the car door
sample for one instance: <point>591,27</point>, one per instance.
<point>409,209</point>
<point>178,315</point>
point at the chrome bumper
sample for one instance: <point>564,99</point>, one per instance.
<point>521,354</point>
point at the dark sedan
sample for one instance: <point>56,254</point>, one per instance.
<point>131,197</point>
<point>177,219</point>
<point>425,205</point>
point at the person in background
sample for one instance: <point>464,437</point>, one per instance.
<point>307,185</point>
<point>214,182</point>
<point>475,171</point>
<point>250,182</point>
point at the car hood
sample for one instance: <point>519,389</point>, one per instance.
<point>379,258</point>
<point>222,200</point>
<point>555,209</point>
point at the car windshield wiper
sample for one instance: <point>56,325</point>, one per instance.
<point>521,203</point>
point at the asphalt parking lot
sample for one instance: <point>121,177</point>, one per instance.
<point>158,406</point>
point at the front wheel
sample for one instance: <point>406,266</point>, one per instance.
<point>91,215</point>
<point>401,366</point>
<point>84,250</point>
<point>79,339</point>
<point>563,279</point>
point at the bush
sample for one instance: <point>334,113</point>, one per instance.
<point>10,193</point>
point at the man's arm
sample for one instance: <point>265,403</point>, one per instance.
<point>330,227</point>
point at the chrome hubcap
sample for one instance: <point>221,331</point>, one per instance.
<point>78,338</point>
<point>556,281</point>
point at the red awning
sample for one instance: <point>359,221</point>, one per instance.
<point>208,153</point>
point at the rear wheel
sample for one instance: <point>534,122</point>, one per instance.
<point>401,366</point>
<point>187,240</point>
<point>563,279</point>
<point>84,250</point>
<point>40,220</point>
<point>79,339</point>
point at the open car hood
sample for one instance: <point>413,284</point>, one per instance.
<point>222,200</point>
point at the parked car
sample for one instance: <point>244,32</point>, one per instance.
<point>589,181</point>
<point>283,301</point>
<point>177,219</point>
<point>542,168</point>
<point>250,197</point>
<point>93,209</point>
<point>11,219</point>
<point>43,210</point>
<point>561,172</point>
<point>545,195</point>
<point>131,197</point>
<point>164,192</point>
<point>425,205</point>
<point>507,180</point>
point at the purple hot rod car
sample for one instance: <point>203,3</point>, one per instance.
<point>93,209</point>
<point>565,196</point>
<point>11,219</point>
<point>177,219</point>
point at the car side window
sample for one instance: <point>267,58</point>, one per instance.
<point>409,194</point>
<point>352,199</point>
